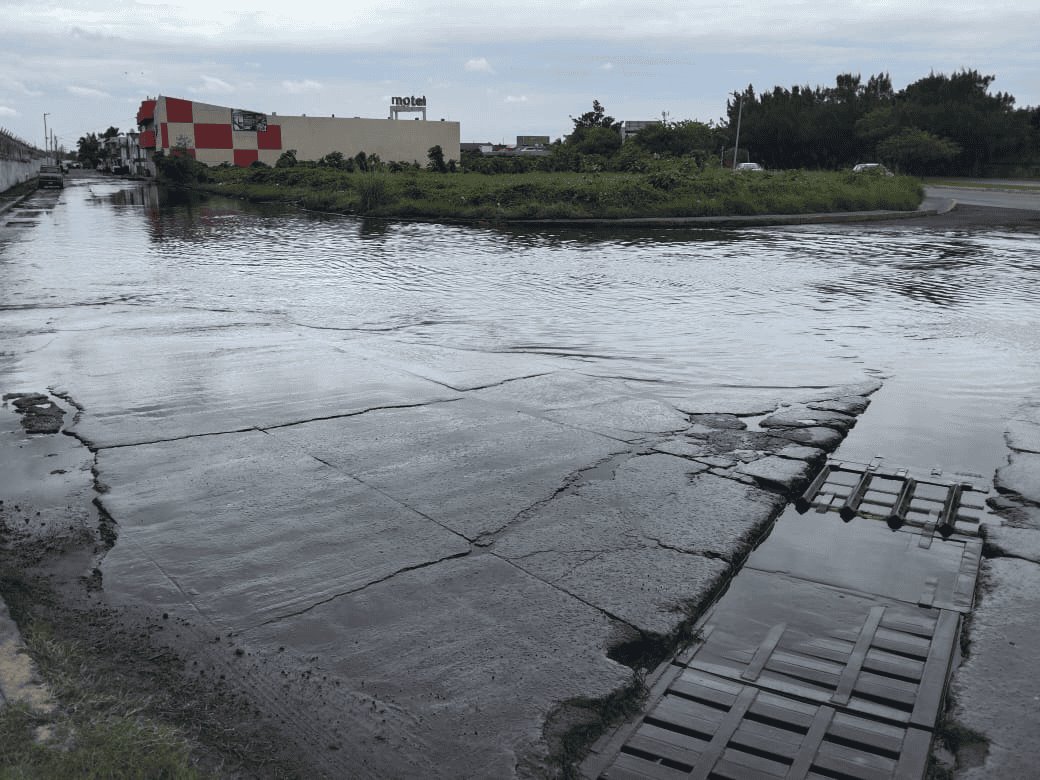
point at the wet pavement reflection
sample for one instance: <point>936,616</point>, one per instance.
<point>341,436</point>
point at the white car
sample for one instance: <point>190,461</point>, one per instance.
<point>749,166</point>
<point>877,168</point>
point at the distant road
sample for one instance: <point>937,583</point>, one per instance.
<point>993,193</point>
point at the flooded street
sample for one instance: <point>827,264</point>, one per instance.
<point>461,476</point>
<point>948,320</point>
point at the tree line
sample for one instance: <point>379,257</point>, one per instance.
<point>950,125</point>
<point>937,125</point>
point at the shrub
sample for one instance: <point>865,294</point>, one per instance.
<point>435,155</point>
<point>179,169</point>
<point>373,193</point>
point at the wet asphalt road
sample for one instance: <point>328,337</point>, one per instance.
<point>423,553</point>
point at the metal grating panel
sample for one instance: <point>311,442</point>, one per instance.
<point>707,726</point>
<point>825,645</point>
<point>830,652</point>
<point>927,503</point>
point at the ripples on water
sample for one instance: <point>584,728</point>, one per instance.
<point>950,318</point>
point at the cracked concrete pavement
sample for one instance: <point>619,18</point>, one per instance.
<point>462,542</point>
<point>996,690</point>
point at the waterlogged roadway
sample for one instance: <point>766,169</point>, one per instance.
<point>433,489</point>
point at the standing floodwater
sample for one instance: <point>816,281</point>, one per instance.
<point>429,495</point>
<point>950,320</point>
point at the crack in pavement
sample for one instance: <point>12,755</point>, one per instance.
<point>93,447</point>
<point>712,554</point>
<point>333,597</point>
<point>570,481</point>
<point>418,405</point>
<point>500,383</point>
<point>566,592</point>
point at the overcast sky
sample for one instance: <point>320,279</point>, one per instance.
<point>500,69</point>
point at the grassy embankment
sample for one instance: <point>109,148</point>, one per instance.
<point>668,191</point>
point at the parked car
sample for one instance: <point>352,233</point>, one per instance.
<point>875,168</point>
<point>749,166</point>
<point>51,176</point>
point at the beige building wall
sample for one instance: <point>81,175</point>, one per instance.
<point>205,113</point>
<point>181,132</point>
<point>214,156</point>
<point>244,139</point>
<point>401,140</point>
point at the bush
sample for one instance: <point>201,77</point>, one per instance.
<point>287,159</point>
<point>179,168</point>
<point>373,193</point>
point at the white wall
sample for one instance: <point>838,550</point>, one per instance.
<point>13,172</point>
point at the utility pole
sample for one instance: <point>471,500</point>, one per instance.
<point>736,143</point>
<point>45,131</point>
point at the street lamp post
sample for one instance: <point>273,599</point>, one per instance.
<point>45,130</point>
<point>736,144</point>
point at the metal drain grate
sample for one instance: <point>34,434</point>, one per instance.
<point>829,654</point>
<point>810,641</point>
<point>706,726</point>
<point>929,504</point>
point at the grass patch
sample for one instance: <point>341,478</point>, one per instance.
<point>667,189</point>
<point>123,707</point>
<point>98,729</point>
<point>111,747</point>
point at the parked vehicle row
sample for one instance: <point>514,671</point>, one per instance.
<point>875,168</point>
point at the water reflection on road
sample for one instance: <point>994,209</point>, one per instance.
<point>949,319</point>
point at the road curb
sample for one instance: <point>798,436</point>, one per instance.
<point>764,220</point>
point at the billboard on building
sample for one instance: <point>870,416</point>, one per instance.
<point>248,120</point>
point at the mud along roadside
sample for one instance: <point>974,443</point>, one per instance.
<point>96,689</point>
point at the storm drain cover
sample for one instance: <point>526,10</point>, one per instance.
<point>706,726</point>
<point>829,654</point>
<point>926,503</point>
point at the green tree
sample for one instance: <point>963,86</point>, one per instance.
<point>677,139</point>
<point>918,151</point>
<point>595,132</point>
<point>599,140</point>
<point>435,155</point>
<point>88,150</point>
<point>597,117</point>
<point>961,108</point>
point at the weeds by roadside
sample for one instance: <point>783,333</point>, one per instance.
<point>668,189</point>
<point>123,706</point>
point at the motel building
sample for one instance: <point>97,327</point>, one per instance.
<point>218,134</point>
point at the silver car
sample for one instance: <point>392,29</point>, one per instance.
<point>877,168</point>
